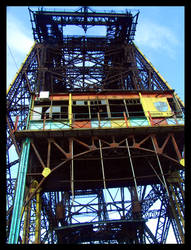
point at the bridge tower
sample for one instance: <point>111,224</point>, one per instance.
<point>99,136</point>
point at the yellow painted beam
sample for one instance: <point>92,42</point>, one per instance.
<point>31,112</point>
<point>169,87</point>
<point>70,109</point>
<point>26,226</point>
<point>20,68</point>
<point>177,205</point>
<point>38,218</point>
<point>145,112</point>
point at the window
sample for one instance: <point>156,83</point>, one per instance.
<point>60,109</point>
<point>80,102</point>
<point>117,107</point>
<point>64,112</point>
<point>37,111</point>
<point>84,109</point>
<point>134,107</point>
<point>98,102</point>
<point>132,101</point>
<point>56,112</point>
<point>161,106</point>
<point>98,106</point>
<point>174,107</point>
<point>80,110</point>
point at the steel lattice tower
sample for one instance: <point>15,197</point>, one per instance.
<point>99,136</point>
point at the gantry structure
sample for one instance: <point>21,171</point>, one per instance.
<point>99,138</point>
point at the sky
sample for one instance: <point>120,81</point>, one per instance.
<point>159,35</point>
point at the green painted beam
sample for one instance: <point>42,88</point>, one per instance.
<point>19,195</point>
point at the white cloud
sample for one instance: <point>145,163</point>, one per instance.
<point>157,37</point>
<point>16,36</point>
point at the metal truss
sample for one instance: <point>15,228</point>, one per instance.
<point>67,214</point>
<point>90,207</point>
<point>110,206</point>
<point>85,64</point>
<point>66,69</point>
<point>49,27</point>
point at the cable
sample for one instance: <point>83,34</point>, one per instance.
<point>13,57</point>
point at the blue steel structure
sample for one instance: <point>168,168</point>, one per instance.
<point>99,138</point>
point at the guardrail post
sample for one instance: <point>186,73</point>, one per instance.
<point>151,120</point>
<point>44,120</point>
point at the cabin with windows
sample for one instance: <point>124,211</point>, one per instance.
<point>103,110</point>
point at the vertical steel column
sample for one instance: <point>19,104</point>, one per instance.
<point>122,202</point>
<point>164,181</point>
<point>26,227</point>
<point>176,204</point>
<point>19,195</point>
<point>102,166</point>
<point>132,169</point>
<point>38,217</point>
<point>175,208</point>
<point>70,110</point>
<point>71,167</point>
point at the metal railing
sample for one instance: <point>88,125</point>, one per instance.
<point>103,120</point>
<point>63,120</point>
